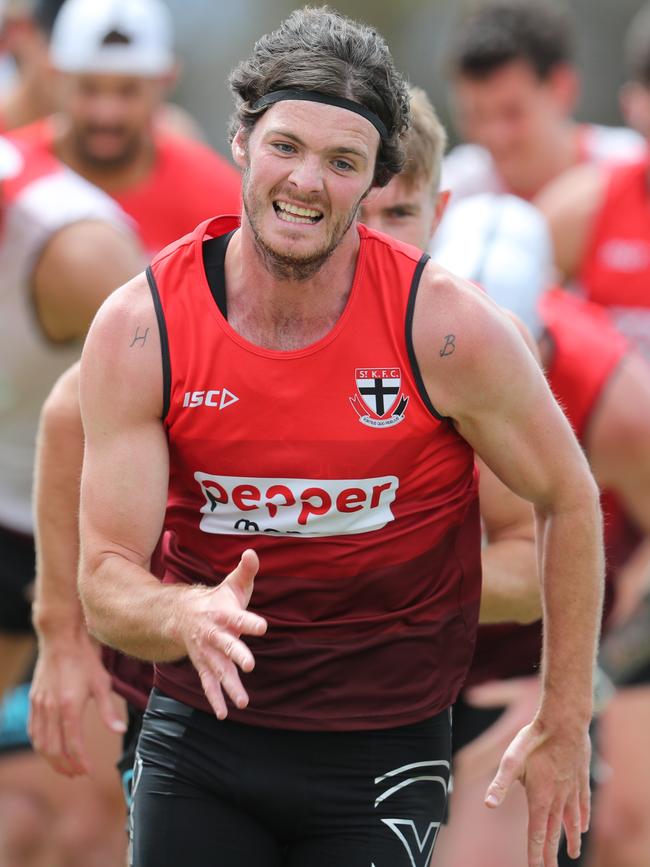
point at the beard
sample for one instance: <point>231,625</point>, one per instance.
<point>126,149</point>
<point>284,264</point>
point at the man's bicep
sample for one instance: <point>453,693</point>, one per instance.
<point>519,430</point>
<point>123,492</point>
<point>125,474</point>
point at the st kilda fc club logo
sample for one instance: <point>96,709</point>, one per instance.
<point>379,401</point>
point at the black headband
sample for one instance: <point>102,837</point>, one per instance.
<point>316,96</point>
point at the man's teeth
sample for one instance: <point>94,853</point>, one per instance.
<point>295,214</point>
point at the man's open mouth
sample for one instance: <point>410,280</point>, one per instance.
<point>296,214</point>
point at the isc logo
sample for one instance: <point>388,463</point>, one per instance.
<point>216,397</point>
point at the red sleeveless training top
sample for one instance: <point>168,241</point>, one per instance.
<point>615,269</point>
<point>330,462</point>
<point>587,353</point>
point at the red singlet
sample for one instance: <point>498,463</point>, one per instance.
<point>615,269</point>
<point>328,461</point>
<point>587,353</point>
<point>188,183</point>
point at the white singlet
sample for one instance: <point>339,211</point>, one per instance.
<point>35,205</point>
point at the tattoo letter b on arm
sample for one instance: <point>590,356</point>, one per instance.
<point>449,346</point>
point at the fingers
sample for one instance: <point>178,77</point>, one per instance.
<point>211,683</point>
<point>103,696</point>
<point>538,818</point>
<point>234,649</point>
<point>553,834</point>
<point>573,825</point>
<point>47,737</point>
<point>72,741</point>
<point>216,681</point>
<point>509,771</point>
<point>584,798</point>
<point>243,622</point>
<point>483,754</point>
<point>241,579</point>
<point>232,684</point>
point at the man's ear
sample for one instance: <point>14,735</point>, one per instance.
<point>565,86</point>
<point>239,149</point>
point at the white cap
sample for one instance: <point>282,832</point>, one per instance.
<point>11,161</point>
<point>129,37</point>
<point>503,244</point>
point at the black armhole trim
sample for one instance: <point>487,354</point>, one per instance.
<point>214,260</point>
<point>164,343</point>
<point>413,294</point>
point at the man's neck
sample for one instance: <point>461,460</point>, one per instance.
<point>111,179</point>
<point>286,315</point>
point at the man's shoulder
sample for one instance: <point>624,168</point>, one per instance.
<point>380,244</point>
<point>461,338</point>
<point>131,302</point>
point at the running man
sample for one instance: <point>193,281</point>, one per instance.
<point>344,489</point>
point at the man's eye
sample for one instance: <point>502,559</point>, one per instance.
<point>343,165</point>
<point>284,147</point>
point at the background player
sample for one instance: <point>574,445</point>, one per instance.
<point>514,88</point>
<point>598,215</point>
<point>55,228</point>
<point>115,64</point>
<point>602,384</point>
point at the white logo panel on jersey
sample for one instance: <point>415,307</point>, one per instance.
<point>304,507</point>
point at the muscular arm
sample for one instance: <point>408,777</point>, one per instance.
<point>510,590</point>
<point>59,458</point>
<point>492,389</point>
<point>68,669</point>
<point>123,498</point>
<point>570,205</point>
<point>78,268</point>
<point>510,587</point>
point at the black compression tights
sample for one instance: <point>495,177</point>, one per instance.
<point>222,794</point>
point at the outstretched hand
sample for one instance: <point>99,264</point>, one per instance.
<point>552,763</point>
<point>211,626</point>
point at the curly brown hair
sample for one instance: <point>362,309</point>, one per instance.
<point>318,49</point>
